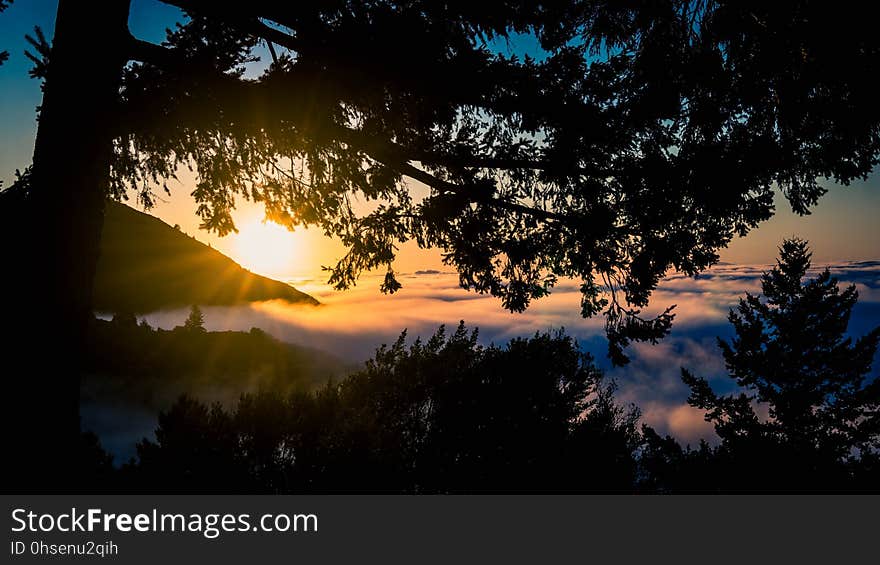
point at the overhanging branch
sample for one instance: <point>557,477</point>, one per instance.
<point>146,52</point>
<point>385,151</point>
<point>251,24</point>
<point>392,155</point>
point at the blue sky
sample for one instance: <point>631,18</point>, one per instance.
<point>148,20</point>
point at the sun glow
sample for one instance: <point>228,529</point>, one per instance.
<point>267,248</point>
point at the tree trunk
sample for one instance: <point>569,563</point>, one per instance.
<point>54,238</point>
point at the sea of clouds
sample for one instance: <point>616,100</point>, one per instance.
<point>353,323</point>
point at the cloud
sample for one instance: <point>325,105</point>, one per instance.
<point>685,423</point>
<point>353,323</point>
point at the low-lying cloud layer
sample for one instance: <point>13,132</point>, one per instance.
<point>352,324</point>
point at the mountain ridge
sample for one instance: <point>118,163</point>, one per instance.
<point>146,265</point>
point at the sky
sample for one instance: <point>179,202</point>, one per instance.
<point>843,231</point>
<point>843,226</point>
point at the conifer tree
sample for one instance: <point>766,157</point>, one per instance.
<point>195,322</point>
<point>806,412</point>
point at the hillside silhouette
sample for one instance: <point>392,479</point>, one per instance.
<point>130,363</point>
<point>147,265</point>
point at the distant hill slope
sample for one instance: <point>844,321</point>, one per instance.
<point>132,371</point>
<point>132,362</point>
<point>147,265</point>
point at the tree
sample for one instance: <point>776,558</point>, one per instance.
<point>195,322</point>
<point>792,356</point>
<point>441,415</point>
<point>643,138</point>
<point>51,228</point>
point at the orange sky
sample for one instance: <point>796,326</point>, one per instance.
<point>843,227</point>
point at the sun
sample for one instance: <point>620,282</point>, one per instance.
<point>267,248</point>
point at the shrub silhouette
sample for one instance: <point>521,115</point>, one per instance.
<point>442,415</point>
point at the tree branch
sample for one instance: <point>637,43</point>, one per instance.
<point>392,155</point>
<point>252,25</point>
<point>382,150</point>
<point>271,47</point>
<point>146,52</point>
<point>481,162</point>
<point>272,35</point>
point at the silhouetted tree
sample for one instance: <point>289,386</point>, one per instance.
<point>93,466</point>
<point>51,227</point>
<point>442,415</point>
<point>643,139</point>
<point>806,415</point>
<point>198,450</point>
<point>667,467</point>
<point>195,322</point>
